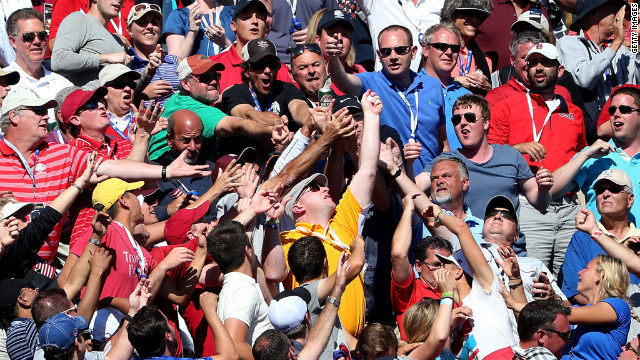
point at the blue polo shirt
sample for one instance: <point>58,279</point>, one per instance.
<point>475,225</point>
<point>396,113</point>
<point>592,168</point>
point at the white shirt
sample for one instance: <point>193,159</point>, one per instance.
<point>47,87</point>
<point>7,7</point>
<point>417,18</point>
<point>240,298</point>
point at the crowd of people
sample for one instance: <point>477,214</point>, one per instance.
<point>319,179</point>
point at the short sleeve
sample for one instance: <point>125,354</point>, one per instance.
<point>293,93</point>
<point>177,23</point>
<point>401,293</point>
<point>234,96</point>
<point>523,169</point>
<point>244,306</point>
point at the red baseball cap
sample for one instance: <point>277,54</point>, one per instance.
<point>78,99</point>
<point>176,228</point>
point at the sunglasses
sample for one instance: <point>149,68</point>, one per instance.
<point>624,109</point>
<point>298,50</point>
<point>444,47</point>
<point>141,7</point>
<point>313,187</point>
<point>629,347</point>
<point>565,336</point>
<point>38,110</point>
<point>122,84</point>
<point>30,36</point>
<point>273,64</point>
<point>207,77</point>
<point>544,62</point>
<point>470,117</point>
<point>614,189</point>
<point>505,214</point>
<point>92,105</point>
<point>400,50</point>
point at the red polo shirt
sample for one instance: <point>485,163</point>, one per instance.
<point>407,294</point>
<point>55,167</point>
<point>81,212</point>
<point>563,135</point>
<point>232,73</point>
<point>513,87</point>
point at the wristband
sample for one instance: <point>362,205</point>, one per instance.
<point>447,294</point>
<point>95,242</point>
<point>596,233</point>
<point>515,286</point>
<point>77,186</point>
<point>446,300</point>
<point>438,216</point>
<point>397,173</point>
<point>273,221</point>
<point>334,301</point>
<point>164,173</point>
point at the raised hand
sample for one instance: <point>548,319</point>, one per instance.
<point>459,315</point>
<point>139,298</point>
<point>209,300</point>
<point>586,221</point>
<point>249,179</point>
<point>542,289</point>
<point>100,223</point>
<point>155,60</point>
<point>371,103</point>
<point>544,178</point>
<point>179,168</point>
<point>341,272</point>
<point>509,262</point>
<point>228,179</point>
<point>8,233</point>
<point>177,256</point>
<point>100,261</point>
<point>195,18</point>
<point>444,279</point>
<point>93,163</point>
<point>148,118</point>
<point>217,35</point>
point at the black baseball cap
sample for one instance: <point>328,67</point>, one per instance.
<point>243,4</point>
<point>331,18</point>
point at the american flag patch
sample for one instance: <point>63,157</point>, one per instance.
<point>177,193</point>
<point>45,269</point>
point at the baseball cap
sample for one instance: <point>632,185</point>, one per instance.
<point>141,9</point>
<point>78,99</point>
<point>197,65</point>
<point>114,71</point>
<point>526,20</point>
<point>297,190</point>
<point>109,191</point>
<point>60,331</point>
<point>248,155</point>
<point>11,208</point>
<point>177,226</point>
<point>257,49</point>
<point>449,258</point>
<point>12,76</point>
<point>467,5</point>
<point>547,50</point>
<point>289,309</point>
<point>330,18</point>
<point>243,4</point>
<point>462,263</point>
<point>617,177</point>
<point>348,101</point>
<point>22,96</point>
<point>501,201</point>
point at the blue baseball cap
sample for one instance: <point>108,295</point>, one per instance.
<point>60,331</point>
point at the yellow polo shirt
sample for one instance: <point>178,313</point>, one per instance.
<point>343,225</point>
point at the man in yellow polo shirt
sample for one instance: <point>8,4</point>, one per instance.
<point>315,213</point>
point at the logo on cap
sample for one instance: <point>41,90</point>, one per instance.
<point>338,14</point>
<point>263,43</point>
<point>607,173</point>
<point>538,46</point>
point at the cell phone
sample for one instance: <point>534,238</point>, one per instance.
<point>98,207</point>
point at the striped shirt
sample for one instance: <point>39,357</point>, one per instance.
<point>22,340</point>
<point>167,71</point>
<point>81,212</point>
<point>55,167</point>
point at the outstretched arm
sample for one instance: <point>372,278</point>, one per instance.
<point>362,183</point>
<point>563,176</point>
<point>401,267</point>
<point>225,349</point>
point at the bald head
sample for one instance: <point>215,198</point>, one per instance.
<point>184,132</point>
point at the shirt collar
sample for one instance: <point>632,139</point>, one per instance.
<point>6,150</point>
<point>633,232</point>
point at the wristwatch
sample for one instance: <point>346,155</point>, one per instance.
<point>334,301</point>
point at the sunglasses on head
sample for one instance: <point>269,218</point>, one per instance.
<point>298,50</point>
<point>207,77</point>
<point>470,117</point>
<point>566,335</point>
<point>38,110</point>
<point>612,188</point>
<point>141,7</point>
<point>505,214</point>
<point>400,50</point>
<point>30,36</point>
<point>122,84</point>
<point>444,47</point>
<point>624,109</point>
<point>273,64</point>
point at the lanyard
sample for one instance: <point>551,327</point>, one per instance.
<point>333,239</point>
<point>414,119</point>
<point>25,164</point>
<point>142,262</point>
<point>114,126</point>
<point>293,4</point>
<point>255,99</point>
<point>552,108</point>
<point>465,71</point>
<point>117,28</point>
<point>409,18</point>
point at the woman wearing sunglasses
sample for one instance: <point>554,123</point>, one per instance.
<point>473,66</point>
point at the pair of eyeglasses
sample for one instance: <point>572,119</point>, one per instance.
<point>207,77</point>
<point>624,109</point>
<point>273,64</point>
<point>92,105</point>
<point>564,335</point>
<point>470,117</point>
<point>433,267</point>
<point>455,48</point>
<point>614,189</point>
<point>122,84</point>
<point>38,110</point>
<point>629,347</point>
<point>505,214</point>
<point>30,36</point>
<point>544,62</point>
<point>298,50</point>
<point>400,50</point>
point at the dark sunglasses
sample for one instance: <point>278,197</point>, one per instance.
<point>207,77</point>
<point>122,84</point>
<point>566,336</point>
<point>629,347</point>
<point>444,46</point>
<point>145,6</point>
<point>470,117</point>
<point>38,110</point>
<point>272,64</point>
<point>30,36</point>
<point>624,109</point>
<point>400,50</point>
<point>505,214</point>
<point>298,50</point>
<point>614,189</point>
<point>544,62</point>
<point>92,105</point>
